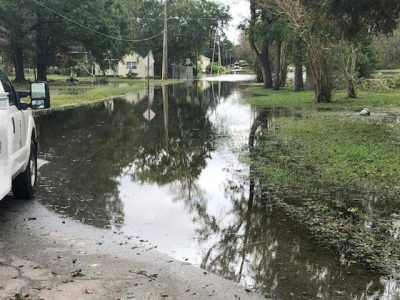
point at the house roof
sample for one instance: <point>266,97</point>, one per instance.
<point>142,53</point>
<point>204,57</point>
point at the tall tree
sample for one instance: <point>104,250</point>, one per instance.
<point>309,22</point>
<point>191,26</point>
<point>18,18</point>
<point>256,33</point>
<point>53,26</point>
<point>356,20</point>
<point>298,56</point>
<point>324,23</point>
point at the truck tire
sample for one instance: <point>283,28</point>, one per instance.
<point>24,185</point>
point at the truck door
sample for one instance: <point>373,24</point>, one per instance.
<point>16,127</point>
<point>5,163</point>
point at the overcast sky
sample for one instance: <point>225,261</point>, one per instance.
<point>240,9</point>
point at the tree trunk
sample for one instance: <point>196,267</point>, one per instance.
<point>266,66</point>
<point>277,66</point>
<point>258,71</point>
<point>309,86</point>
<point>323,90</point>
<point>284,71</point>
<point>320,72</point>
<point>298,78</point>
<point>351,89</point>
<point>284,65</point>
<point>41,55</point>
<point>19,64</point>
<point>263,56</point>
<point>349,71</point>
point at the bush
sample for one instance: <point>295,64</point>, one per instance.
<point>379,85</point>
<point>101,80</point>
<point>131,75</point>
<point>215,69</point>
<point>72,80</point>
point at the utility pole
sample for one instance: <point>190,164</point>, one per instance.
<point>164,75</point>
<point>219,54</point>
<point>213,55</point>
<point>148,66</point>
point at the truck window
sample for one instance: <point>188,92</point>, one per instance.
<point>7,88</point>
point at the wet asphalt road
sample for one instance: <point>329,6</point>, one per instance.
<point>46,256</point>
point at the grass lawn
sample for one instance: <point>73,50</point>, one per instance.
<point>85,90</point>
<point>287,98</point>
<point>335,171</point>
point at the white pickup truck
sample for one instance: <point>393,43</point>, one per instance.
<point>18,137</point>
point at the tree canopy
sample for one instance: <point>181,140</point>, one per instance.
<point>106,29</point>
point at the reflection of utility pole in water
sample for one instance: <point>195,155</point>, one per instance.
<point>149,114</point>
<point>197,89</point>
<point>213,93</point>
<point>213,55</point>
<point>219,90</point>
<point>166,116</point>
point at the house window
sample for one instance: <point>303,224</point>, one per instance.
<point>131,65</point>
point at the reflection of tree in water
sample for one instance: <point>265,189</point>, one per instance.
<point>91,147</point>
<point>261,247</point>
<point>190,141</point>
<point>80,179</point>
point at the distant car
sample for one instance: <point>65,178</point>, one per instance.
<point>18,139</point>
<point>236,66</point>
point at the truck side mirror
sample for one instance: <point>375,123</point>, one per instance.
<point>40,95</point>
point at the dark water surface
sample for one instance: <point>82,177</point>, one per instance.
<point>166,166</point>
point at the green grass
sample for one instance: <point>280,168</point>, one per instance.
<point>328,140</point>
<point>304,100</point>
<point>84,91</point>
<point>84,95</point>
<point>333,177</point>
<point>333,171</point>
<point>390,73</point>
<point>332,151</point>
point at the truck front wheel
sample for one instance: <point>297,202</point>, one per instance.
<point>24,185</point>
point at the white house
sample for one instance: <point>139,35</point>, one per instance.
<point>134,63</point>
<point>203,63</point>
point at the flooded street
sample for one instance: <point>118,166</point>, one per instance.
<point>167,168</point>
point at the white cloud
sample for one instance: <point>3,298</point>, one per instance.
<point>240,10</point>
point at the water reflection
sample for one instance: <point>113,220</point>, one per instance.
<point>174,177</point>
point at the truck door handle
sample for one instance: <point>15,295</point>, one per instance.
<point>13,122</point>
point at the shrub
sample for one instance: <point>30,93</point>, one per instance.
<point>101,80</point>
<point>131,75</point>
<point>215,69</point>
<point>379,85</point>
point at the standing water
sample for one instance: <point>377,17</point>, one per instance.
<point>167,166</point>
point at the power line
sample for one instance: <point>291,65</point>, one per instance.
<point>93,30</point>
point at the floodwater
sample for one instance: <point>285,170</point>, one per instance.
<point>167,166</point>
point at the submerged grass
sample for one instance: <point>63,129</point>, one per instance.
<point>337,174</point>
